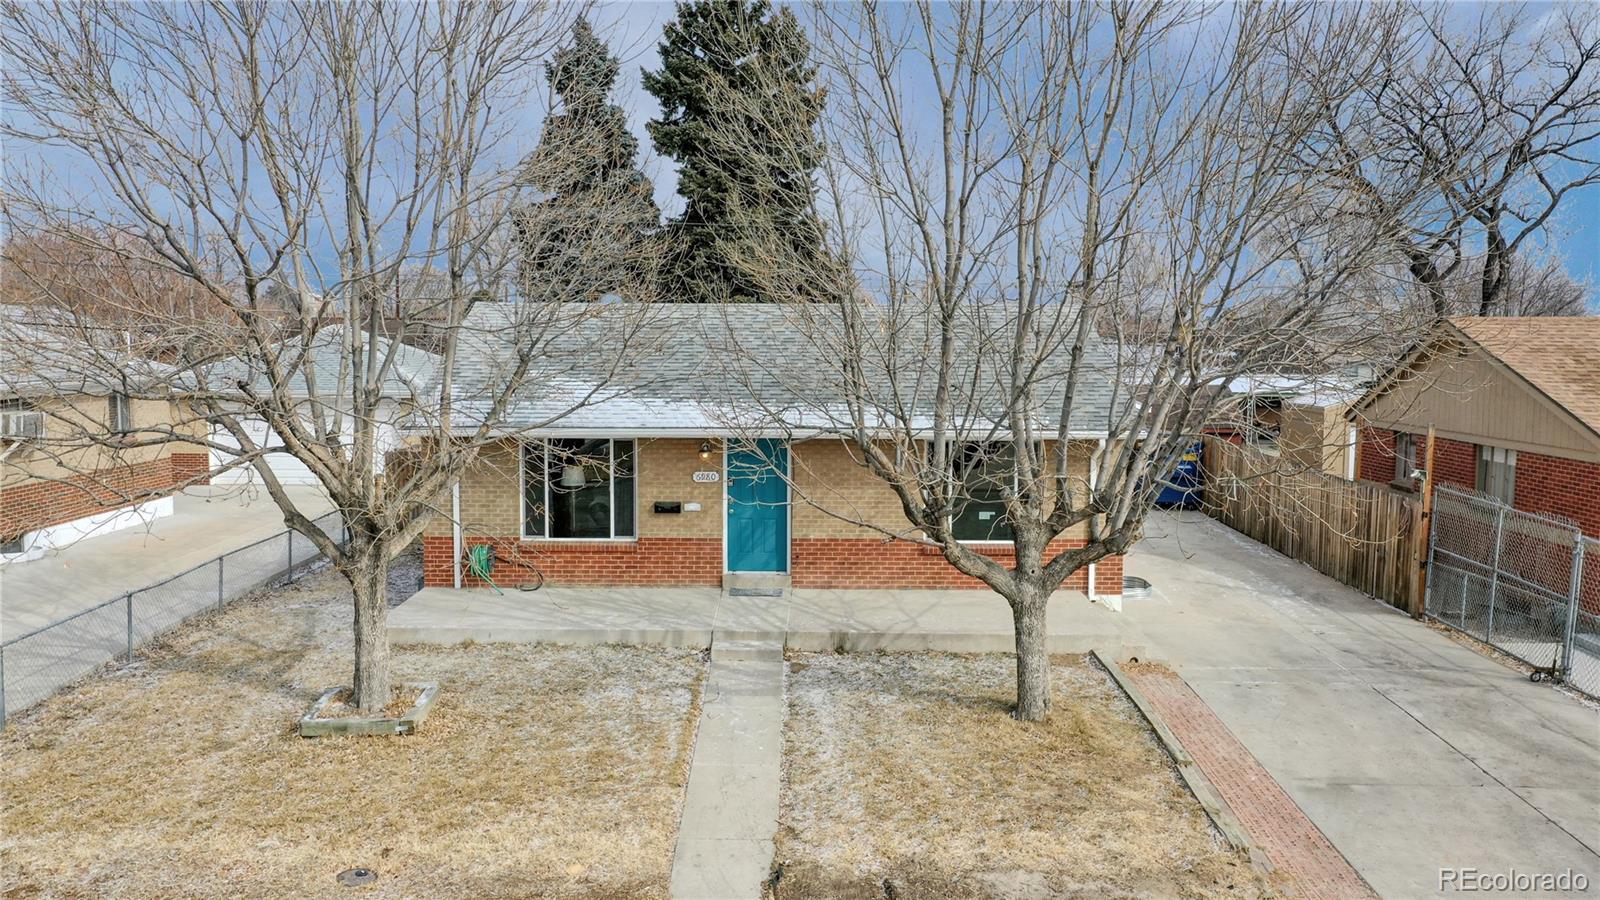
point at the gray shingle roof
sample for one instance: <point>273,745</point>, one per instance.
<point>323,359</point>
<point>702,367</point>
<point>37,360</point>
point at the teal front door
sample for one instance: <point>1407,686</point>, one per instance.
<point>758,506</point>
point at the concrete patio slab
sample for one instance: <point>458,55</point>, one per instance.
<point>670,617</point>
<point>809,620</point>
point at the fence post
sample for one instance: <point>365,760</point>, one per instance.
<point>127,600</point>
<point>222,563</point>
<point>1575,587</point>
<point>1427,573</point>
<point>1421,579</point>
<point>1494,571</point>
<point>288,537</point>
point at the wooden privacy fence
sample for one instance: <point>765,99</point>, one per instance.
<point>1366,535</point>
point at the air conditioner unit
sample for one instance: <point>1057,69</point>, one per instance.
<point>24,425</point>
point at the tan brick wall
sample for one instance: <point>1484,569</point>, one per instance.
<point>489,501</point>
<point>490,505</point>
<point>829,473</point>
<point>72,424</point>
<point>666,472</point>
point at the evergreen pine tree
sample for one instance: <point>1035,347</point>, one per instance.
<point>593,232</point>
<point>739,114</point>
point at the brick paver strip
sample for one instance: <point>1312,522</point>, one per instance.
<point>1304,857</point>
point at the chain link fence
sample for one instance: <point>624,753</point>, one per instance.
<point>1527,585</point>
<point>35,665</point>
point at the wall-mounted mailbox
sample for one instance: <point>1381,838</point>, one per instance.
<point>668,506</point>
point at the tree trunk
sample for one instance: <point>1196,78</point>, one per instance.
<point>1432,283</point>
<point>369,583</point>
<point>1033,656</point>
<point>1496,266</point>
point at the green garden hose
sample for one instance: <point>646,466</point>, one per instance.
<point>480,563</point>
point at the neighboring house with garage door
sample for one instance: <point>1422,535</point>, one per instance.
<point>643,479</point>
<point>317,367</point>
<point>77,456</point>
<point>1515,408</point>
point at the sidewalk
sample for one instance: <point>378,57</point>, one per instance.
<point>206,523</point>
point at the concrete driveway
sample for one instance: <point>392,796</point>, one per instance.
<point>206,522</point>
<point>1411,752</point>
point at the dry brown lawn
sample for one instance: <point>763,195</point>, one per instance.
<point>542,771</point>
<point>905,776</point>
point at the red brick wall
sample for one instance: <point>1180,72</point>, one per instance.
<point>869,563</point>
<point>1107,575</point>
<point>1567,488</point>
<point>1454,462</point>
<point>816,563</point>
<point>32,505</point>
<point>191,468</point>
<point>1375,455</point>
<point>662,562</point>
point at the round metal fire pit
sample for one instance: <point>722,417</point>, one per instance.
<point>1135,588</point>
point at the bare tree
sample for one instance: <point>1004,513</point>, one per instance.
<point>1002,183</point>
<point>1538,98</point>
<point>1474,127</point>
<point>1534,284</point>
<point>334,180</point>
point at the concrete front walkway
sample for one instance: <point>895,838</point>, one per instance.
<point>730,808</point>
<point>206,522</point>
<point>1411,752</point>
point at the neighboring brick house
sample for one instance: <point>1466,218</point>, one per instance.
<point>1515,407</point>
<point>63,476</point>
<point>652,487</point>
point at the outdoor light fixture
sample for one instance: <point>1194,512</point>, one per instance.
<point>705,449</point>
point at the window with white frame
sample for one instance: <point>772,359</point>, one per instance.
<point>1405,457</point>
<point>985,470</point>
<point>117,419</point>
<point>1497,473</point>
<point>578,488</point>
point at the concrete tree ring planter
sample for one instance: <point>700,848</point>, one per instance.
<point>311,725</point>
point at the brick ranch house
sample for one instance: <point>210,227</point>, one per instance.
<point>649,486</point>
<point>1515,406</point>
<point>63,478</point>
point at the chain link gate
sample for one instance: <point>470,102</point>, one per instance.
<point>1525,584</point>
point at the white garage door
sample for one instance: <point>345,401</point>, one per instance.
<point>288,469</point>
